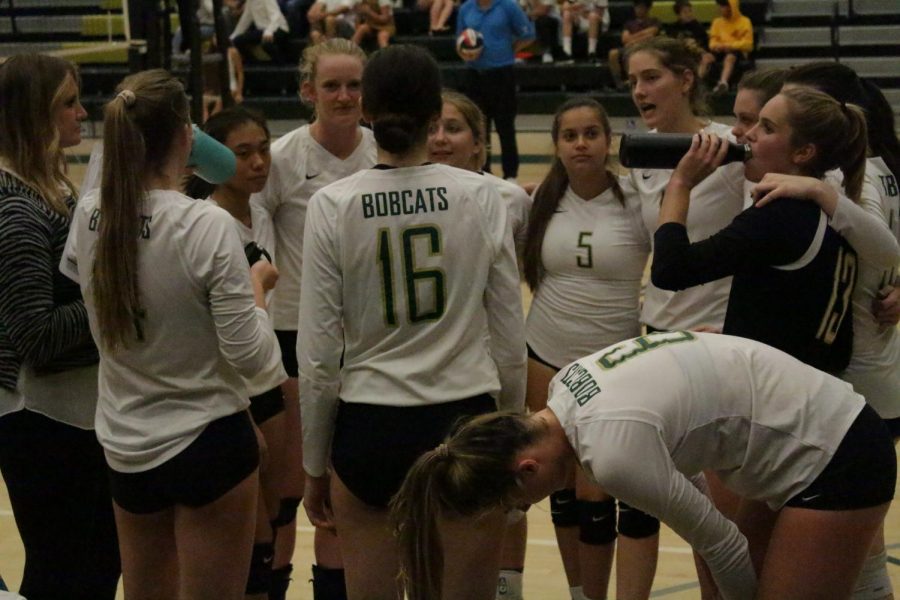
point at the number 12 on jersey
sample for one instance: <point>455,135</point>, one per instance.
<point>414,278</point>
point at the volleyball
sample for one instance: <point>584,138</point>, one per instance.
<point>470,40</point>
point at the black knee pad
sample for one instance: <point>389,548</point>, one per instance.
<point>281,579</point>
<point>564,508</point>
<point>636,524</point>
<point>328,584</point>
<point>597,522</point>
<point>260,568</point>
<point>287,512</point>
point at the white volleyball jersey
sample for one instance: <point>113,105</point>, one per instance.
<point>199,335</point>
<point>714,203</point>
<point>410,274</point>
<point>261,230</point>
<point>646,414</point>
<point>594,253</point>
<point>518,207</point>
<point>883,183</point>
<point>262,234</point>
<point>874,368</point>
<point>300,168</point>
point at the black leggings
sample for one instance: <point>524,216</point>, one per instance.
<point>57,483</point>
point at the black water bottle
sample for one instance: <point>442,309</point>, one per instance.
<point>664,150</point>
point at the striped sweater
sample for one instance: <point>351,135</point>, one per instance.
<point>43,321</point>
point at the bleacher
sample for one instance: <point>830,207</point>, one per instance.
<point>862,33</point>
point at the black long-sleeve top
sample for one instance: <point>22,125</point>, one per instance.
<point>793,278</point>
<point>43,321</point>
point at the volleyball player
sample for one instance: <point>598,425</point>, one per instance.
<point>51,462</point>
<point>644,418</point>
<point>794,274</point>
<point>178,321</point>
<point>304,161</point>
<point>668,93</point>
<point>753,91</point>
<point>584,259</point>
<point>874,368</point>
<point>457,139</point>
<point>246,134</point>
<point>411,318</point>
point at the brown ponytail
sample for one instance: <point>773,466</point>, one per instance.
<point>468,475</point>
<point>837,130</point>
<point>140,124</point>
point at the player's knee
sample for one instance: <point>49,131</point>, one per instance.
<point>260,577</point>
<point>636,524</point>
<point>328,584</point>
<point>597,522</point>
<point>564,508</point>
<point>287,512</point>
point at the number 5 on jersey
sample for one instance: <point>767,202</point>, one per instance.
<point>420,284</point>
<point>587,260</point>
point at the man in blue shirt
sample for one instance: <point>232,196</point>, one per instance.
<point>490,78</point>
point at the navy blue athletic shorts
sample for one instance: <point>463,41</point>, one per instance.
<point>219,459</point>
<point>374,446</point>
<point>861,474</point>
<point>266,405</point>
<point>287,341</point>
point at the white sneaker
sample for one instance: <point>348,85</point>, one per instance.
<point>547,58</point>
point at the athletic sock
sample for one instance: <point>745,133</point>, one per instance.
<point>874,582</point>
<point>281,579</point>
<point>509,585</point>
<point>567,45</point>
<point>577,593</point>
<point>328,584</point>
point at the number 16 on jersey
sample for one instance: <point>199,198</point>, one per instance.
<point>425,288</point>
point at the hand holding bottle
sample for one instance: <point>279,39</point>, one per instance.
<point>705,155</point>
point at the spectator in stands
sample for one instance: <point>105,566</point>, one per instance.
<point>439,12</point>
<point>641,27</point>
<point>730,38</point>
<point>213,86</point>
<point>295,13</point>
<point>490,78</point>
<point>206,21</point>
<point>329,19</point>
<point>261,23</point>
<point>546,18</point>
<point>590,15</point>
<point>689,30</point>
<point>374,18</point>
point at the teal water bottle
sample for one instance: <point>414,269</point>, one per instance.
<point>211,160</point>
